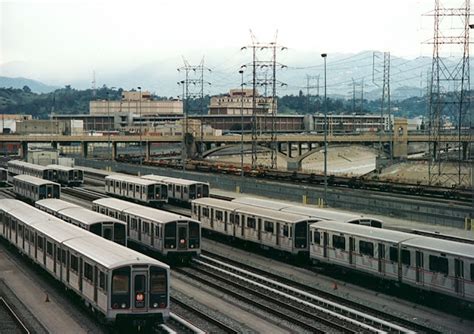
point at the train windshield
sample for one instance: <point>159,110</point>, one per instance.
<point>158,287</point>
<point>301,235</point>
<point>194,235</point>
<point>120,234</point>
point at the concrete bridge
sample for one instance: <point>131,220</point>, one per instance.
<point>287,144</point>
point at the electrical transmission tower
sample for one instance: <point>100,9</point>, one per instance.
<point>310,85</point>
<point>193,88</point>
<point>385,107</point>
<point>264,64</point>
<point>449,112</point>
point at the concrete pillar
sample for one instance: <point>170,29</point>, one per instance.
<point>114,150</point>
<point>24,150</point>
<point>85,152</point>
<point>400,138</point>
<point>147,150</point>
<point>54,145</point>
<point>465,146</point>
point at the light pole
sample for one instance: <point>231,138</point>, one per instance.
<point>241,123</point>
<point>184,126</point>
<point>140,120</point>
<point>110,125</point>
<point>324,55</point>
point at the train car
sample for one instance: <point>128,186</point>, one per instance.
<point>120,285</point>
<point>316,213</point>
<point>19,167</point>
<point>33,189</point>
<point>136,189</point>
<point>181,191</point>
<point>442,266</point>
<point>102,225</point>
<point>168,234</point>
<point>68,176</point>
<point>3,177</point>
<point>281,231</point>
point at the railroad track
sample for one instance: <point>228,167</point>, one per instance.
<point>83,193</point>
<point>10,322</point>
<point>185,311</point>
<point>300,309</point>
<point>257,272</point>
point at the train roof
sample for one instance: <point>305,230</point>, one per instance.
<point>442,246</point>
<point>55,204</point>
<point>110,254</point>
<point>145,212</point>
<point>105,252</point>
<point>33,180</point>
<point>175,180</point>
<point>88,217</point>
<point>8,204</point>
<point>253,210</point>
<point>61,167</point>
<point>115,203</point>
<point>27,164</point>
<point>363,231</point>
<point>131,178</point>
<point>324,214</point>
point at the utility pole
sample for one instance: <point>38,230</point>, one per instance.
<point>259,70</point>
<point>324,55</point>
<point>193,89</point>
<point>309,86</point>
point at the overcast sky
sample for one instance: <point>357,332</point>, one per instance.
<point>69,39</point>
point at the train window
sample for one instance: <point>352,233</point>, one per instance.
<point>146,228</point>
<point>102,280</point>
<point>40,243</point>
<point>317,238</point>
<point>394,254</point>
<point>32,237</point>
<point>185,190</point>
<point>251,222</point>
<point>74,263</point>
<point>472,272</point>
<point>88,273</point>
<point>339,242</point>
<point>439,264</point>
<point>205,212</point>
<point>124,185</point>
<point>158,280</point>
<point>219,215</point>
<point>231,218</point>
<point>195,209</point>
<point>130,187</point>
<point>117,184</point>
<point>64,256</point>
<point>49,248</point>
<point>157,231</point>
<point>285,231</point>
<point>236,220</point>
<point>178,188</point>
<point>120,283</point>
<point>406,258</point>
<point>366,248</point>
<point>133,224</point>
<point>137,189</point>
<point>268,226</point>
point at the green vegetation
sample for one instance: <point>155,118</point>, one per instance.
<point>72,101</point>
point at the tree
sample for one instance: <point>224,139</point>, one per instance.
<point>26,89</point>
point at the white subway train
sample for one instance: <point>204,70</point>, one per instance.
<point>181,191</point>
<point>33,189</point>
<point>99,224</point>
<point>68,176</point>
<point>168,234</point>
<point>311,212</point>
<point>446,267</point>
<point>442,266</point>
<point>136,189</point>
<point>281,231</point>
<point>19,167</point>
<point>121,285</point>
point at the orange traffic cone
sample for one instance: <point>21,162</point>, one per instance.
<point>47,299</point>
<point>334,286</point>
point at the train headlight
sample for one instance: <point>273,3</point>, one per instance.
<point>182,241</point>
<point>172,246</point>
<point>192,246</point>
<point>124,305</point>
<point>155,305</point>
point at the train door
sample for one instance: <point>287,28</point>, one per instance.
<point>182,236</point>
<point>459,277</point>
<point>108,232</point>
<point>198,212</point>
<point>242,223</point>
<point>212,218</point>
<point>351,250</point>
<point>381,258</point>
<point>80,273</point>
<point>152,234</point>
<point>96,278</point>
<point>325,244</point>
<point>140,290</point>
<point>174,191</point>
<point>49,191</point>
<point>225,221</point>
<point>259,229</point>
<point>278,234</point>
<point>419,267</point>
<point>139,227</point>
